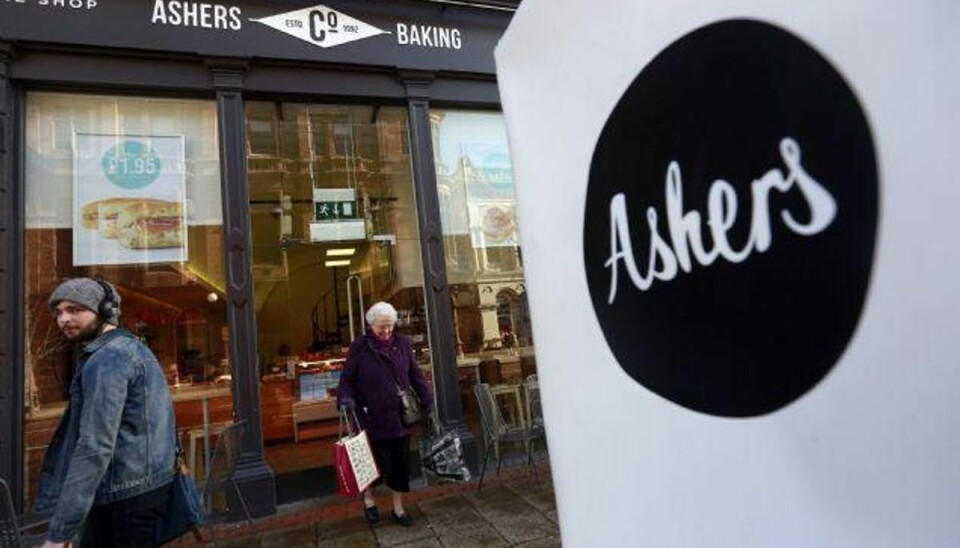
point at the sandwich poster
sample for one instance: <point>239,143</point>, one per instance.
<point>129,195</point>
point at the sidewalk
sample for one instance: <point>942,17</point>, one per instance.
<point>514,509</point>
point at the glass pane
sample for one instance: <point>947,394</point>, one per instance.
<point>484,261</point>
<point>85,153</point>
<point>334,225</point>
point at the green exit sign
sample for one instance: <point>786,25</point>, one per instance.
<point>334,204</point>
<point>332,211</point>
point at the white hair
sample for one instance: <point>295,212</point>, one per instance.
<point>381,310</point>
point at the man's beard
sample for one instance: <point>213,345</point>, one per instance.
<point>88,333</point>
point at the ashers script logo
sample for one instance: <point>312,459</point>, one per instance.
<point>686,230</point>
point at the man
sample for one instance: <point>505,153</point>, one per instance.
<point>111,461</point>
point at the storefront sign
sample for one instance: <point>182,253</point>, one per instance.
<point>425,36</point>
<point>321,26</point>
<point>752,258</point>
<point>128,199</point>
<point>779,187</point>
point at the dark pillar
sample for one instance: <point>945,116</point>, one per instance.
<point>11,282</point>
<point>440,310</point>
<point>253,475</point>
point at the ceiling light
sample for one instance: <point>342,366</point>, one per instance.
<point>344,262</point>
<point>341,252</point>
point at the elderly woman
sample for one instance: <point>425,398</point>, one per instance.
<point>376,363</point>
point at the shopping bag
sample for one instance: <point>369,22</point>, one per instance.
<point>353,458</point>
<point>346,481</point>
<point>441,454</point>
<point>184,512</point>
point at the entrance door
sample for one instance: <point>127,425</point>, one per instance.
<point>334,229</point>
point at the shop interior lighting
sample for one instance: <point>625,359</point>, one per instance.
<point>341,262</point>
<point>341,252</point>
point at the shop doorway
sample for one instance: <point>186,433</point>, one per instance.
<point>334,229</point>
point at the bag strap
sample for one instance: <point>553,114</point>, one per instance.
<point>179,458</point>
<point>385,364</point>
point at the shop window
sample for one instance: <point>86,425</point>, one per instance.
<point>98,170</point>
<point>484,265</point>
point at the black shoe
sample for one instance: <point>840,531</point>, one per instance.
<point>372,514</point>
<point>403,519</point>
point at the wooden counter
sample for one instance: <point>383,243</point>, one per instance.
<point>276,404</point>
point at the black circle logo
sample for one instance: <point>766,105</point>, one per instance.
<point>730,220</point>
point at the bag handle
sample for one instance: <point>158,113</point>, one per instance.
<point>345,419</point>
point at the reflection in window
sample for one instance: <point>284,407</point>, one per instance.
<point>96,168</point>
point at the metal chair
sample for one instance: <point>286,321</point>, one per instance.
<point>220,492</point>
<point>12,527</point>
<point>496,430</point>
<point>534,409</point>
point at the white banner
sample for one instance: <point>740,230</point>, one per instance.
<point>744,210</point>
<point>129,193</point>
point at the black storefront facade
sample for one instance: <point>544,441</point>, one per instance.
<point>413,56</point>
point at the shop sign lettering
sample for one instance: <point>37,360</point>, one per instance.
<point>428,36</point>
<point>196,14</point>
<point>68,4</point>
<point>321,26</point>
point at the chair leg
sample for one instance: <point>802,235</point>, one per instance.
<point>483,469</point>
<point>499,462</point>
<point>530,463</point>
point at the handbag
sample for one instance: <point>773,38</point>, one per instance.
<point>184,510</point>
<point>411,412</point>
<point>355,465</point>
<point>411,409</point>
<point>441,454</point>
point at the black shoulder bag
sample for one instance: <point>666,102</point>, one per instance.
<point>411,410</point>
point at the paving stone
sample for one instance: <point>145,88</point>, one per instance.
<point>548,542</point>
<point>490,495</point>
<point>525,527</point>
<point>543,501</point>
<point>514,518</point>
<point>391,534</point>
<point>482,536</point>
<point>339,527</point>
<point>359,539</point>
<point>446,504</point>
<point>300,537</point>
<point>424,543</point>
<point>450,514</point>
<point>350,532</point>
<point>518,512</point>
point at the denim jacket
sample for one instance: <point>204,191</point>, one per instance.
<point>117,437</point>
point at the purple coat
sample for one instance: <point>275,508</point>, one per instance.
<point>366,380</point>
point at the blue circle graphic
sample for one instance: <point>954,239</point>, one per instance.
<point>131,164</point>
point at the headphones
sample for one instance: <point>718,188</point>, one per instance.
<point>108,309</point>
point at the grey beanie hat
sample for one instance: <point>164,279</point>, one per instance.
<point>88,293</point>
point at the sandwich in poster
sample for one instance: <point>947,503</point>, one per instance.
<point>136,223</point>
<point>129,193</point>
